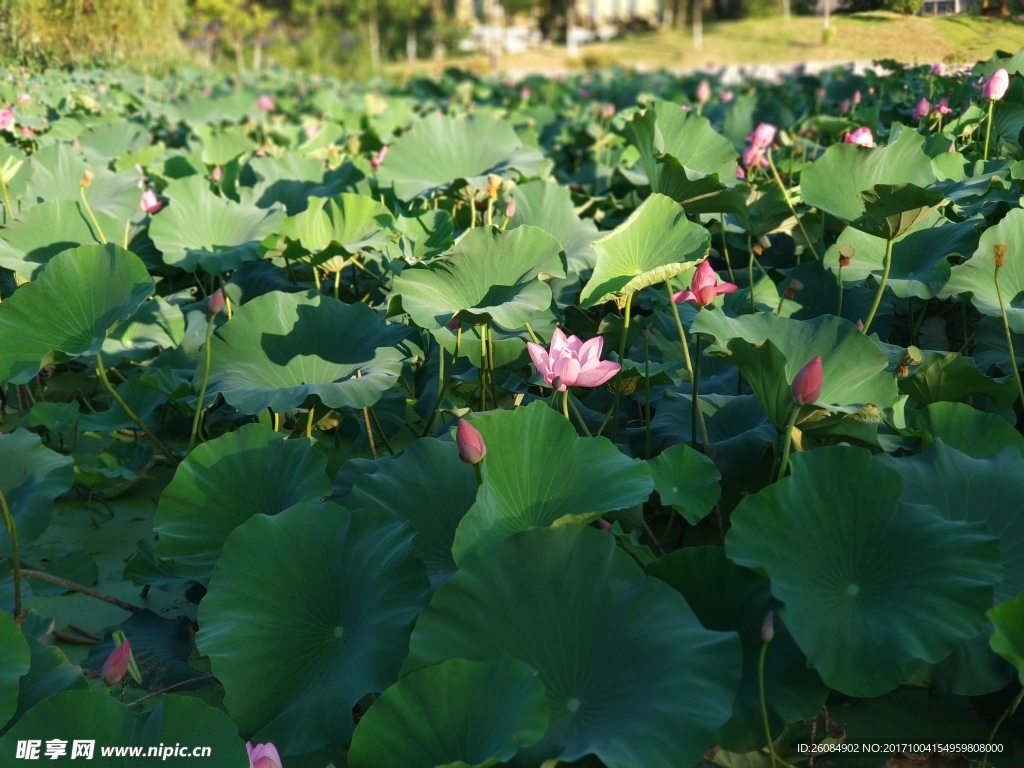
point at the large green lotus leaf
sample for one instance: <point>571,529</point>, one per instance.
<point>14,662</point>
<point>975,278</point>
<point>156,325</point>
<point>462,714</point>
<point>96,717</point>
<point>729,598</point>
<point>440,149</point>
<point>834,181</point>
<point>552,483</point>
<point>548,205</point>
<point>199,229</point>
<point>49,673</point>
<point>771,350</point>
<point>490,276</point>
<point>70,308</point>
<point>891,210</point>
<point>222,145</point>
<point>423,235</point>
<point>951,377</point>
<point>974,432</point>
<point>223,483</point>
<point>895,582</point>
<point>704,160</point>
<point>655,243</point>
<point>282,348</point>
<point>1008,639</point>
<point>108,141</point>
<point>297,651</point>
<point>431,489</point>
<point>687,480</point>
<point>352,221</point>
<point>990,351</point>
<point>31,477</point>
<point>630,673</point>
<point>292,179</point>
<point>48,229</point>
<point>919,258</point>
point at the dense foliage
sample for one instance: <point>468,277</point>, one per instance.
<point>624,420</point>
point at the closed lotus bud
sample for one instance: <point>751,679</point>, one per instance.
<point>604,525</point>
<point>216,302</point>
<point>116,665</point>
<point>1000,254</point>
<point>806,387</point>
<point>150,203</point>
<point>860,325</point>
<point>217,173</point>
<point>997,85</point>
<point>470,442</point>
<point>703,92</point>
<point>768,628</point>
<point>510,209</point>
<point>263,755</point>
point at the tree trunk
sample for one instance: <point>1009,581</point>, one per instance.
<point>373,35</point>
<point>698,24</point>
<point>439,16</point>
<point>411,47</point>
<point>572,49</point>
<point>257,54</point>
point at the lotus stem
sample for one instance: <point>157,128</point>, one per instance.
<point>764,704</point>
<point>309,423</point>
<point>447,379</point>
<point>491,357</point>
<point>92,216</point>
<point>647,394</point>
<point>788,440</point>
<point>785,194</point>
<point>881,286</point>
<point>689,364</point>
<point>1009,336</point>
<point>7,197</point>
<point>12,532</point>
<point>202,389</point>
<point>337,285</point>
<point>102,374</point>
<point>622,356</point>
<point>75,587</point>
<point>750,273</point>
<point>839,309</point>
<point>366,421</point>
<point>579,416</point>
<point>988,130</point>
<point>533,336</point>
<point>482,370</point>
<point>380,429</point>
<point>696,415</point>
<point>316,279</point>
<point>1009,711</point>
<point>565,405</point>
<point>725,249</point>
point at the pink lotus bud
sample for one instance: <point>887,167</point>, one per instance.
<point>24,98</point>
<point>217,173</point>
<point>263,755</point>
<point>470,442</point>
<point>768,628</point>
<point>524,93</point>
<point>604,525</point>
<point>856,98</point>
<point>377,160</point>
<point>935,70</point>
<point>860,325</point>
<point>922,109</point>
<point>821,94</point>
<point>703,94</point>
<point>216,302</point>
<point>727,96</point>
<point>762,136</point>
<point>510,209</point>
<point>740,174</point>
<point>265,104</point>
<point>845,105</point>
<point>608,112</point>
<point>150,203</point>
<point>996,85</point>
<point>861,137</point>
<point>806,387</point>
<point>6,119</point>
<point>310,131</point>
<point>76,144</point>
<point>116,665</point>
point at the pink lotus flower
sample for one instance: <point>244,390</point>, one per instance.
<point>524,93</point>
<point>150,203</point>
<point>27,132</point>
<point>471,445</point>
<point>608,112</point>
<point>935,70</point>
<point>265,104</point>
<point>922,109</point>
<point>763,135</point>
<point>856,98</point>
<point>861,137</point>
<point>996,86</point>
<point>24,98</point>
<point>217,174</point>
<point>704,288</point>
<point>845,105</point>
<point>753,155</point>
<point>378,159</point>
<point>263,755</point>
<point>703,94</point>
<point>216,302</point>
<point>116,665</point>
<point>739,173</point>
<point>510,209</point>
<point>727,96</point>
<point>573,362</point>
<point>6,119</point>
<point>806,387</point>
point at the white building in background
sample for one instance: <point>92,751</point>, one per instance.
<point>592,13</point>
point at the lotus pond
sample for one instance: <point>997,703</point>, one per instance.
<point>625,420</point>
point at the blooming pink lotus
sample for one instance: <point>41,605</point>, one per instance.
<point>150,203</point>
<point>263,755</point>
<point>862,137</point>
<point>6,119</point>
<point>575,363</point>
<point>935,70</point>
<point>740,174</point>
<point>760,139</point>
<point>996,86</point>
<point>377,160</point>
<point>471,445</point>
<point>921,109</point>
<point>806,387</point>
<point>943,107</point>
<point>704,288</point>
<point>116,665</point>
<point>265,104</point>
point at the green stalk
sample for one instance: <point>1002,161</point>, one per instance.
<point>696,415</point>
<point>622,356</point>
<point>750,273</point>
<point>787,445</point>
<point>565,405</point>
<point>725,250</point>
<point>988,129</point>
<point>12,531</point>
<point>92,216</point>
<point>764,705</point>
<point>1009,336</point>
<point>202,389</point>
<point>839,309</point>
<point>447,379</point>
<point>309,423</point>
<point>102,374</point>
<point>785,194</point>
<point>689,365</point>
<point>1009,711</point>
<point>881,286</point>
<point>533,335</point>
<point>7,197</point>
<point>482,370</point>
<point>586,429</point>
<point>647,395</point>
